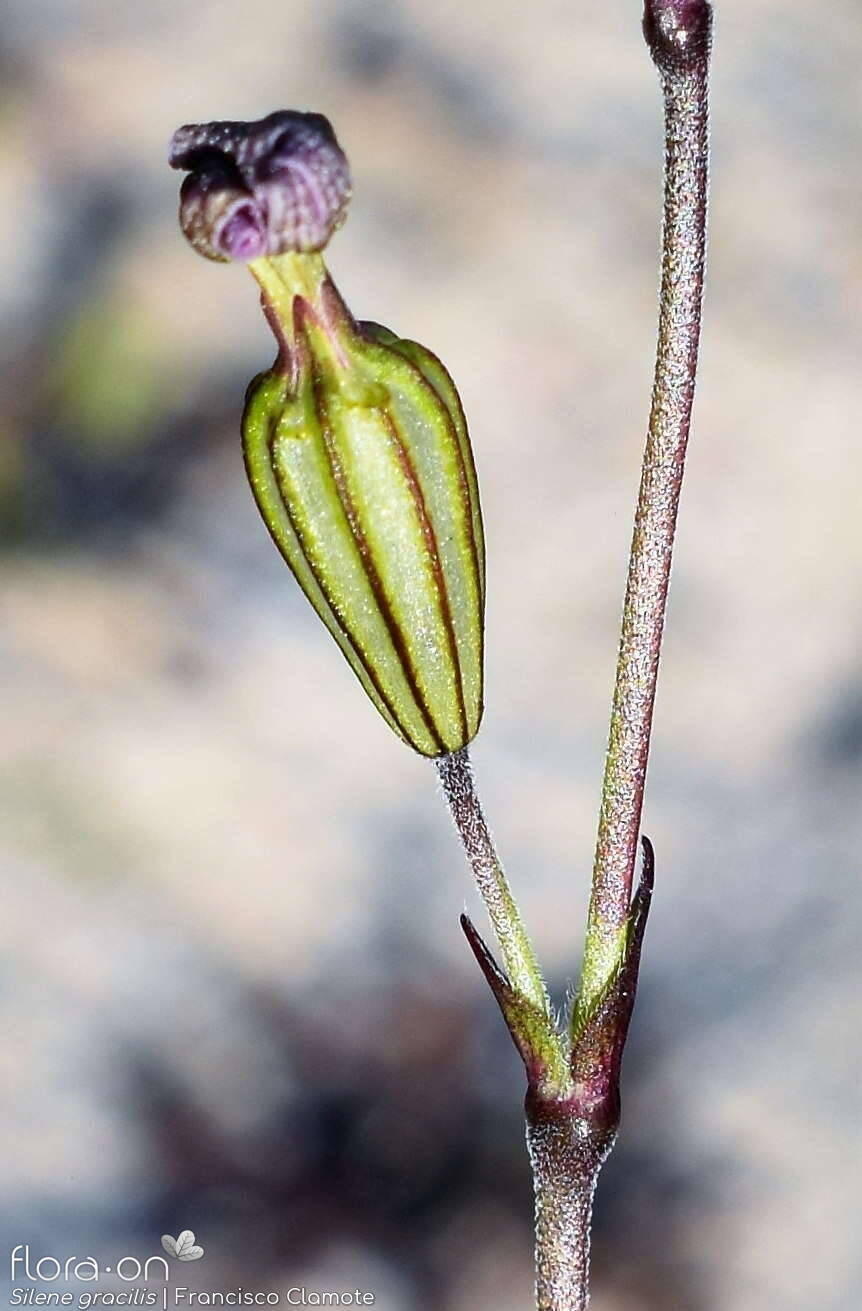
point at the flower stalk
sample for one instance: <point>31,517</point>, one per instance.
<point>459,787</point>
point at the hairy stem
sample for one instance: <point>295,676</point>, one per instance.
<point>679,34</point>
<point>566,1156</point>
<point>459,786</point>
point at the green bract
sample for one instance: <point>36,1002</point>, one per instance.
<point>358,455</point>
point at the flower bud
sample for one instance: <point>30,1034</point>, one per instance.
<point>355,442</point>
<point>678,33</point>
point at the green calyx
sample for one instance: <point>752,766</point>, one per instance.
<point>357,452</point>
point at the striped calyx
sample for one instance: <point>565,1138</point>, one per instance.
<point>357,451</point>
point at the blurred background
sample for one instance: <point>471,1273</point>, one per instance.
<point>234,994</point>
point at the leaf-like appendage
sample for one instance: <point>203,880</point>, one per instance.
<point>183,1248</point>
<point>186,1250</point>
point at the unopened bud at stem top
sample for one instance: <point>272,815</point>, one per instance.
<point>678,33</point>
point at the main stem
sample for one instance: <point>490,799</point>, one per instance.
<point>678,32</point>
<point>566,1166</point>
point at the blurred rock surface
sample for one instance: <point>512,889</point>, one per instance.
<point>234,995</point>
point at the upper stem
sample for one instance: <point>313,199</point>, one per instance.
<point>679,38</point>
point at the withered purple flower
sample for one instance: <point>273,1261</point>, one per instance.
<point>266,188</point>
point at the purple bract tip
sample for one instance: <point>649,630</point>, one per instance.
<point>265,188</point>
